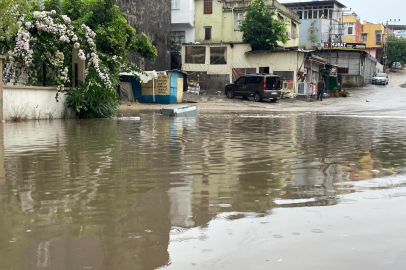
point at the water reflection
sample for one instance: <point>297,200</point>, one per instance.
<point>106,194</point>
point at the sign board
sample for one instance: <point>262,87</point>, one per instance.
<point>345,46</point>
<point>161,86</point>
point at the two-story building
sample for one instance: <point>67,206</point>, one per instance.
<point>373,35</point>
<point>183,21</point>
<point>321,21</point>
<point>352,28</point>
<point>219,55</point>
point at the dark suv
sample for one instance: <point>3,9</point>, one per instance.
<point>258,86</point>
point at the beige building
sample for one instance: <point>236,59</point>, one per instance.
<point>216,64</point>
<point>219,20</point>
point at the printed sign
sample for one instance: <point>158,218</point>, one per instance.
<point>345,46</point>
<point>161,85</point>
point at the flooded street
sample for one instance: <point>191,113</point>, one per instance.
<point>300,190</point>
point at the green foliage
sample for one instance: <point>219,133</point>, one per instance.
<point>10,12</point>
<point>53,5</point>
<point>93,100</point>
<point>261,29</point>
<point>396,49</point>
<point>312,37</point>
<point>143,46</point>
<point>114,35</point>
<point>175,55</point>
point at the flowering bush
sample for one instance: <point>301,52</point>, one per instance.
<point>45,38</point>
<point>95,30</point>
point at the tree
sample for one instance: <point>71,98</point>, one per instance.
<point>11,11</point>
<point>312,37</point>
<point>99,33</point>
<point>175,54</point>
<point>396,50</point>
<point>260,27</point>
<point>114,36</point>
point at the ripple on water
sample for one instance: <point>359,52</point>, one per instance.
<point>175,176</point>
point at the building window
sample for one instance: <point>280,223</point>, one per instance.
<point>238,17</point>
<point>218,55</point>
<point>178,37</point>
<point>293,28</point>
<point>208,7</point>
<point>175,4</point>
<point>300,13</point>
<point>195,55</point>
<point>349,29</point>
<point>207,33</point>
<point>378,37</point>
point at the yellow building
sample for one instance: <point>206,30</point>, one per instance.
<point>373,35</point>
<point>352,28</point>
<point>219,21</point>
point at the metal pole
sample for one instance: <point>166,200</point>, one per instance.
<point>153,90</point>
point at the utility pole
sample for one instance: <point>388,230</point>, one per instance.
<point>386,42</point>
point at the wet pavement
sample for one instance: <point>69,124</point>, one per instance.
<point>294,190</point>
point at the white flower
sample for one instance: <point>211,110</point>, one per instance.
<point>53,12</point>
<point>76,45</point>
<point>64,39</point>
<point>66,19</point>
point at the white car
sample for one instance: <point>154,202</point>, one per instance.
<point>380,78</point>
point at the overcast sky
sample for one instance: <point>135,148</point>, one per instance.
<point>374,11</point>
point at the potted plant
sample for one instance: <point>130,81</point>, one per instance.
<point>336,91</point>
<point>332,92</point>
<point>312,37</point>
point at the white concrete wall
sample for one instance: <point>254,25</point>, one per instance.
<point>189,31</point>
<point>34,103</point>
<point>184,15</point>
<point>183,19</point>
<point>241,56</point>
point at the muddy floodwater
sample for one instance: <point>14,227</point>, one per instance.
<point>230,192</point>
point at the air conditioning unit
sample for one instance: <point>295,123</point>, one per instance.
<point>289,35</point>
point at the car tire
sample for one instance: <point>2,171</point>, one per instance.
<point>230,94</point>
<point>257,97</point>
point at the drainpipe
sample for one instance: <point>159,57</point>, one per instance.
<point>232,22</point>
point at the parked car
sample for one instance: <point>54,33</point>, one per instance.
<point>396,65</point>
<point>258,86</point>
<point>380,78</point>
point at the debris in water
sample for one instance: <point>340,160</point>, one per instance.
<point>317,231</point>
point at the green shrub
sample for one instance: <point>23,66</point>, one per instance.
<point>94,100</point>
